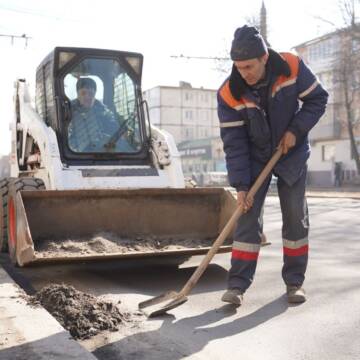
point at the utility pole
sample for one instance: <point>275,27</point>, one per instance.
<point>13,36</point>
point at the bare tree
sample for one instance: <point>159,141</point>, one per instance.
<point>349,12</point>
<point>253,21</point>
<point>223,63</point>
<point>347,76</point>
<point>347,72</point>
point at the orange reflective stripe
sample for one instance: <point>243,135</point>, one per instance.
<point>283,81</point>
<point>243,103</point>
<point>226,95</point>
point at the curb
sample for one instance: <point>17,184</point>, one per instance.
<point>31,333</point>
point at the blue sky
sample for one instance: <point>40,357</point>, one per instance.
<point>156,28</point>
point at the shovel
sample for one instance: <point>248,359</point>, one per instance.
<point>172,299</point>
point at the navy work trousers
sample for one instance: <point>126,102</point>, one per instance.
<point>247,236</point>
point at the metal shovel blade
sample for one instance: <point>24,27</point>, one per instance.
<point>171,299</point>
<point>161,304</point>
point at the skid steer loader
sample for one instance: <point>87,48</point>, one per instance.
<point>87,164</point>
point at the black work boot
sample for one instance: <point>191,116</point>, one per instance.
<point>233,296</point>
<point>295,294</point>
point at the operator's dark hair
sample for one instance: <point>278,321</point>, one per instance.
<point>85,83</point>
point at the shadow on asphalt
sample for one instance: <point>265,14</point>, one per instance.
<point>16,275</point>
<point>185,337</point>
<point>45,348</point>
<point>157,280</point>
<point>118,278</point>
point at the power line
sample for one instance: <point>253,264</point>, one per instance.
<point>27,12</point>
<point>181,56</point>
<point>36,14</point>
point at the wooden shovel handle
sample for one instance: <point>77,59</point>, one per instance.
<point>229,226</point>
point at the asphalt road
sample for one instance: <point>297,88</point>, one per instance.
<point>327,326</point>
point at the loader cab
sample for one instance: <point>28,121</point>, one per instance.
<point>92,99</point>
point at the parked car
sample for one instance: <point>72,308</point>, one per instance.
<point>215,178</point>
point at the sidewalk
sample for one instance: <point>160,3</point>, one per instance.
<point>32,333</point>
<point>342,192</point>
<point>331,192</point>
<point>345,188</point>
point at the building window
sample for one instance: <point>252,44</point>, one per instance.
<point>200,132</point>
<point>188,96</point>
<point>204,97</point>
<point>355,81</point>
<point>189,133</point>
<point>189,114</point>
<point>356,115</point>
<point>204,114</point>
<point>321,50</point>
<point>353,152</point>
<point>328,152</point>
<point>326,79</point>
<point>355,45</point>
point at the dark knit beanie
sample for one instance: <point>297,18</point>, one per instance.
<point>247,44</point>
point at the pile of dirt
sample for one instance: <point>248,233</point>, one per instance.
<point>110,243</point>
<point>80,313</point>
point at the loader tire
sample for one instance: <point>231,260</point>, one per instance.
<point>4,191</point>
<point>21,184</point>
<point>28,183</point>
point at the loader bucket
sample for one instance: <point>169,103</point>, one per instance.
<point>80,225</point>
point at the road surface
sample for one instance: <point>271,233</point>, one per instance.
<point>327,326</point>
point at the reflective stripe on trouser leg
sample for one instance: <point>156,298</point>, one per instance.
<point>246,246</point>
<point>295,230</point>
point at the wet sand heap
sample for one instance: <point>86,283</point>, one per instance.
<point>109,243</point>
<point>83,315</point>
